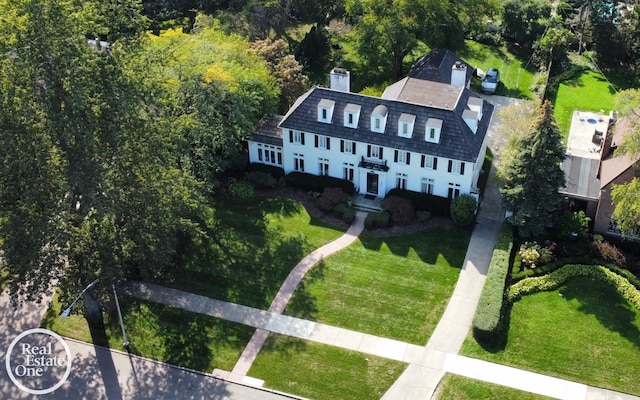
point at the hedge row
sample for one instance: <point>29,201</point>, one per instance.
<point>345,213</point>
<point>488,320</point>
<point>560,276</point>
<point>424,202</point>
<point>317,183</point>
<point>377,220</point>
<point>276,172</point>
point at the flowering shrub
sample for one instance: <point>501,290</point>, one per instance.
<point>532,254</point>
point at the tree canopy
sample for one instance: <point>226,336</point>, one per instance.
<point>532,177</point>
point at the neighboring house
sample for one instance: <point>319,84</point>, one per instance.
<point>592,167</point>
<point>421,135</point>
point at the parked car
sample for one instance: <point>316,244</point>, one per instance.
<point>490,81</point>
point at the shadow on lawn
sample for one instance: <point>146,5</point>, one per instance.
<point>605,303</point>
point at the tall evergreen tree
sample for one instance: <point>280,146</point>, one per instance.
<point>533,176</point>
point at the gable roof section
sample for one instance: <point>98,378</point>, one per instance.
<point>457,141</point>
<point>613,164</point>
<point>268,132</point>
<point>436,66</point>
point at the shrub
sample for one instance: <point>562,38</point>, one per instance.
<point>488,320</point>
<point>463,209</point>
<point>377,220</point>
<point>573,224</point>
<point>534,255</point>
<point>241,190</point>
<point>330,198</point>
<point>340,209</point>
<point>608,252</point>
<point>402,211</point>
<point>436,205</point>
<point>555,279</point>
<point>349,215</point>
<point>316,183</point>
<point>260,179</point>
<point>276,172</point>
<point>423,216</point>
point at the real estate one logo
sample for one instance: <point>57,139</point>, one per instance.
<point>38,361</point>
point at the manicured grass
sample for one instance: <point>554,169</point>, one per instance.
<point>589,91</point>
<point>394,287</point>
<point>320,372</point>
<point>516,76</point>
<point>161,333</point>
<point>255,246</point>
<point>584,331</point>
<point>455,387</point>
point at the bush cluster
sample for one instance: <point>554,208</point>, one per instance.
<point>555,279</point>
<point>534,255</point>
<point>608,252</point>
<point>377,220</point>
<point>241,190</point>
<point>488,320</point>
<point>260,179</point>
<point>423,216</point>
<point>330,198</point>
<point>401,210</point>
<point>463,209</point>
<point>276,172</point>
<point>345,213</point>
<point>436,205</point>
<point>302,180</point>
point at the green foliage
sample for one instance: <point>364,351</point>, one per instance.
<point>426,202</point>
<point>556,278</point>
<point>377,220</point>
<point>573,224</point>
<point>608,252</point>
<point>533,177</point>
<point>463,209</point>
<point>533,255</point>
<point>401,209</point>
<point>330,198</point>
<point>305,181</point>
<point>524,21</point>
<point>259,179</point>
<point>423,216</point>
<point>241,190</point>
<point>488,320</point>
<point>276,172</point>
<point>626,198</point>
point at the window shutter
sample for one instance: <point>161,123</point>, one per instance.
<point>328,143</point>
<point>290,136</point>
<point>353,147</point>
<point>341,146</point>
<point>302,137</point>
<point>422,161</point>
<point>435,163</point>
<point>408,158</point>
<point>450,165</point>
<point>461,168</point>
<point>316,140</point>
<point>381,153</point>
<point>395,156</point>
<point>368,150</point>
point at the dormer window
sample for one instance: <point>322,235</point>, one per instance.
<point>471,119</point>
<point>325,110</point>
<point>405,125</point>
<point>351,115</point>
<point>379,118</point>
<point>433,130</point>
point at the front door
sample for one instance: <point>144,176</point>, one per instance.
<point>372,183</point>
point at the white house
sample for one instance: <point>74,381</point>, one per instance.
<point>421,135</point>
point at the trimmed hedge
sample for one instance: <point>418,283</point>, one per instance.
<point>555,279</point>
<point>302,180</point>
<point>276,172</point>
<point>488,320</point>
<point>345,213</point>
<point>377,220</point>
<point>424,202</point>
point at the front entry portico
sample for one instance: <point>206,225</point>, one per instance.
<point>373,182</point>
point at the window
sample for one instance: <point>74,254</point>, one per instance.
<point>348,171</point>
<point>401,181</point>
<point>324,114</point>
<point>405,128</point>
<point>269,154</point>
<point>322,142</point>
<point>323,166</point>
<point>298,162</point>
<point>402,157</point>
<point>433,130</point>
<point>350,119</point>
<point>374,152</point>
<point>379,118</point>
<point>351,115</point>
<point>405,125</point>
<point>347,146</point>
<point>454,190</point>
<point>426,185</point>
<point>456,167</point>
<point>296,137</point>
<point>429,162</point>
<point>325,110</point>
<point>432,133</point>
<point>377,124</point>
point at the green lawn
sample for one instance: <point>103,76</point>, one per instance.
<point>584,331</point>
<point>517,78</point>
<point>320,372</point>
<point>455,387</point>
<point>161,333</point>
<point>394,287</point>
<point>255,246</point>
